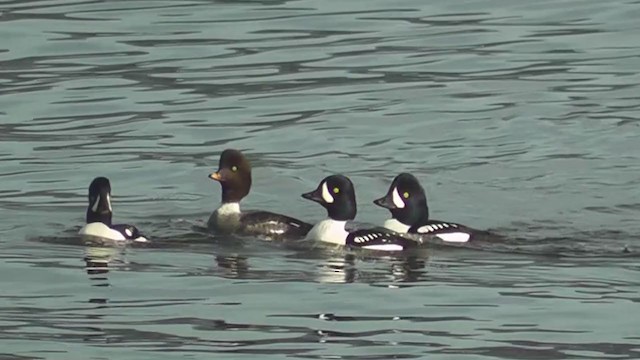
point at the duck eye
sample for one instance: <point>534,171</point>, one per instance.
<point>406,195</point>
<point>234,168</point>
<point>336,190</point>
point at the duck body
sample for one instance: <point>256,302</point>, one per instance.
<point>234,176</point>
<point>99,215</point>
<point>228,219</point>
<point>407,202</point>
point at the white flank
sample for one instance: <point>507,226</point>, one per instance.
<point>326,195</point>
<point>395,225</point>
<point>109,202</point>
<point>329,230</point>
<point>457,237</point>
<point>397,200</point>
<point>384,247</point>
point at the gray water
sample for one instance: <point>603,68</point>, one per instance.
<point>521,117</point>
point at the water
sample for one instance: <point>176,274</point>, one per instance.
<point>517,116</point>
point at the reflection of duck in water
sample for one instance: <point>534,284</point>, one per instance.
<point>407,202</point>
<point>97,261</point>
<point>337,270</point>
<point>233,266</point>
<point>99,213</point>
<point>345,269</point>
<point>409,269</point>
<point>234,176</point>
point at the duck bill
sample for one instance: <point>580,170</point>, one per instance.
<point>385,202</point>
<point>315,195</point>
<point>219,176</point>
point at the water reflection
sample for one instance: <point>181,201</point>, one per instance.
<point>363,268</point>
<point>337,269</point>
<point>331,267</point>
<point>97,260</point>
<point>232,266</point>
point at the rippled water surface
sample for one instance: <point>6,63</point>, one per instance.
<point>518,116</point>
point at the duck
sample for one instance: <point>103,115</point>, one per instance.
<point>99,215</point>
<point>234,176</point>
<point>407,202</point>
<point>336,194</point>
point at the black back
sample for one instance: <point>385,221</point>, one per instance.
<point>275,226</point>
<point>130,232</point>
<point>372,237</point>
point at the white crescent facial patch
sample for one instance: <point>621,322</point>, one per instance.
<point>326,195</point>
<point>397,200</point>
<point>109,202</point>
<point>94,207</point>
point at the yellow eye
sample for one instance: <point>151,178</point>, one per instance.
<point>336,190</point>
<point>234,168</point>
<point>406,195</point>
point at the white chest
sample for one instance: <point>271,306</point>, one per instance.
<point>226,218</point>
<point>330,231</point>
<point>228,209</point>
